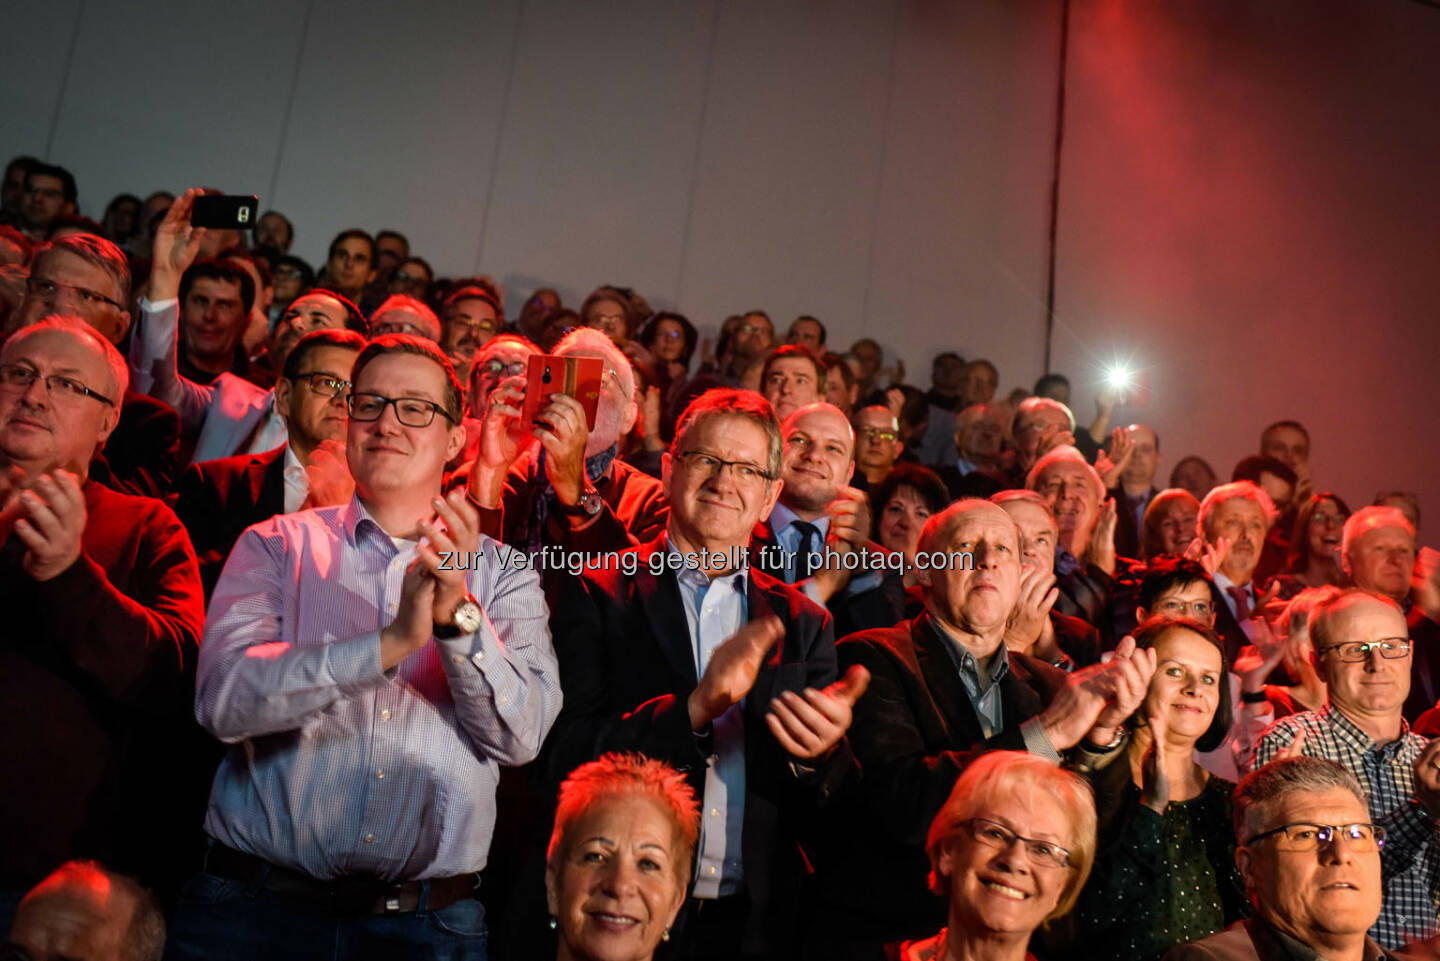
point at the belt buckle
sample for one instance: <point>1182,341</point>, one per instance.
<point>392,898</point>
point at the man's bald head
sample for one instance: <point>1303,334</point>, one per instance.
<point>85,913</point>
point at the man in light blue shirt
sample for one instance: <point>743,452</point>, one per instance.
<point>371,666</point>
<point>698,658</point>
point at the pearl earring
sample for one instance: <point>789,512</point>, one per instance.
<point>554,922</point>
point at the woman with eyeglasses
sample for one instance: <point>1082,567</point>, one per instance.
<point>1165,873</point>
<point>1313,559</point>
<point>1009,851</point>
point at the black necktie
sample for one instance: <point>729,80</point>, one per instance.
<point>809,541</point>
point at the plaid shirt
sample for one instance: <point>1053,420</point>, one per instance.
<point>1411,855</point>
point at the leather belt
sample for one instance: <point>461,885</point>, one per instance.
<point>347,896</point>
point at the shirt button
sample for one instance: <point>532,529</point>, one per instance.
<point>714,759</point>
<point>714,812</point>
<point>479,655</point>
<point>380,775</point>
<point>385,714</point>
<point>710,869</point>
<point>369,839</point>
<point>457,659</point>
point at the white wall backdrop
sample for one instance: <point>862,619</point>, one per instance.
<point>1248,200</point>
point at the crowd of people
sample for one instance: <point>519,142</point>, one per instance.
<point>327,641</point>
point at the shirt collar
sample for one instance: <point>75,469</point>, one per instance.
<point>964,466</point>
<point>692,576</point>
<point>1225,583</point>
<point>782,517</point>
<point>1348,730</point>
<point>293,467</point>
<point>965,661</point>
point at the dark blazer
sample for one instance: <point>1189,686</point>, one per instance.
<point>914,732</point>
<point>1127,530</point>
<point>974,484</point>
<point>142,454</point>
<point>218,499</point>
<point>627,668</point>
<point>880,606</point>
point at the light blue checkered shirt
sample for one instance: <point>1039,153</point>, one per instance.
<point>337,768</point>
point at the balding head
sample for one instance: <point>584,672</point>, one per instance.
<point>818,458</point>
<point>85,913</point>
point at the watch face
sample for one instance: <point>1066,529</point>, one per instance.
<point>467,617</point>
<point>591,502</point>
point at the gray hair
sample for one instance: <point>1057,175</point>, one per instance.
<point>1265,786</point>
<point>1247,490</point>
<point>596,342</point>
<point>119,370</point>
<point>1065,454</point>
<point>1367,519</point>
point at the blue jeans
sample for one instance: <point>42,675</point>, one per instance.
<point>223,920</point>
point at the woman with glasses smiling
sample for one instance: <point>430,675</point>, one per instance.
<point>1166,872</point>
<point>1009,851</point>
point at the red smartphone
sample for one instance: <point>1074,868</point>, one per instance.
<point>224,213</point>
<point>549,374</point>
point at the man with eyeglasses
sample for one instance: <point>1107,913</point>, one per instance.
<point>218,499</point>
<point>371,666</point>
<point>468,319</point>
<point>748,345</point>
<point>403,314</point>
<point>570,489</point>
<point>1362,652</point>
<point>88,277</point>
<point>1377,553</point>
<point>699,659</point>
<point>877,445</point>
<point>231,415</point>
<point>1312,864</point>
<point>944,690</point>
<point>103,612</point>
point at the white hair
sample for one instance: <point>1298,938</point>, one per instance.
<point>592,340</point>
<point>1065,454</point>
<point>1368,519</point>
<point>1248,490</point>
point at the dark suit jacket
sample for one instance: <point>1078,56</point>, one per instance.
<point>627,667</point>
<point>1425,669</point>
<point>880,606</point>
<point>974,484</point>
<point>142,454</point>
<point>220,498</point>
<point>1127,529</point>
<point>1251,940</point>
<point>914,732</point>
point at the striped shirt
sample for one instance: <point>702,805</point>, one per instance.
<point>1410,858</point>
<point>337,768</point>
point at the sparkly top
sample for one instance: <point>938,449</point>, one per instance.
<point>1160,880</point>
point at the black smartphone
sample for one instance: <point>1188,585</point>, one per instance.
<point>224,212</point>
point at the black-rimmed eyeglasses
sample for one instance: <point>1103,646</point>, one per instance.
<point>19,378</point>
<point>409,411</point>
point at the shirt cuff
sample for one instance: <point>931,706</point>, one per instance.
<point>1037,742</point>
<point>158,305</point>
<point>481,653</point>
<point>808,588</point>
